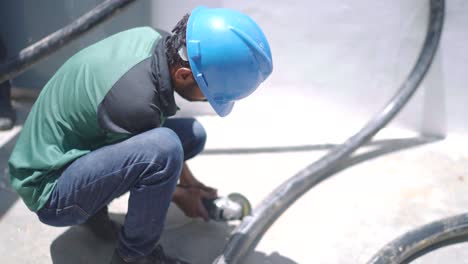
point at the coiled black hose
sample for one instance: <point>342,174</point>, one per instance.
<point>250,231</point>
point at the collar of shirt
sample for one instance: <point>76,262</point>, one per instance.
<point>162,77</point>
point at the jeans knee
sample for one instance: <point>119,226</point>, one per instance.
<point>167,148</point>
<point>200,133</point>
<point>198,142</point>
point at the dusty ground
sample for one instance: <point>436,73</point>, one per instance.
<point>345,219</point>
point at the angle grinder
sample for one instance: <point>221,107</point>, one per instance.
<point>232,207</point>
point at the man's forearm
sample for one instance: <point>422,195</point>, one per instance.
<point>186,176</point>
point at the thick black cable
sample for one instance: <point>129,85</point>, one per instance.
<point>44,47</point>
<point>423,240</point>
<point>246,236</point>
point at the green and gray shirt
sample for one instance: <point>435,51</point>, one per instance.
<point>109,91</point>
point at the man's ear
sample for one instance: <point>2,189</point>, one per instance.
<point>183,74</point>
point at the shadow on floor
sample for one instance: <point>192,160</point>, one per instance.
<point>7,199</point>
<point>400,142</point>
<point>379,148</point>
<point>77,246</point>
<point>262,258</point>
<point>196,241</point>
<point>260,150</point>
<point>7,195</point>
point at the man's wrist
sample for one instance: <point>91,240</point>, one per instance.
<point>186,180</point>
<point>176,196</point>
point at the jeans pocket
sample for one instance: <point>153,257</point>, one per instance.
<point>67,216</point>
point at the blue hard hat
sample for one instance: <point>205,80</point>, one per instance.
<point>229,55</point>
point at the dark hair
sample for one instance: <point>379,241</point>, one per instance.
<point>175,41</point>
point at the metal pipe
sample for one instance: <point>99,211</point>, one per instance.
<point>424,239</point>
<point>249,232</point>
<point>41,49</point>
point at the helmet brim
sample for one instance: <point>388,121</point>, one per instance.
<point>222,109</point>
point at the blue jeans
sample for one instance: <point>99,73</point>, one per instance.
<point>148,165</point>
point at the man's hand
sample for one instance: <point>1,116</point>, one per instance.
<point>199,185</point>
<point>188,180</point>
<point>189,200</point>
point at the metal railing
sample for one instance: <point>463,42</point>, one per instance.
<point>16,65</point>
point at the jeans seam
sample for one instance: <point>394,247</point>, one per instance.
<point>77,206</point>
<point>57,211</point>
<point>105,177</point>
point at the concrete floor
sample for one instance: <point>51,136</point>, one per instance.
<point>405,181</point>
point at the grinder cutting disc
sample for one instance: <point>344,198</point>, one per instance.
<point>240,199</point>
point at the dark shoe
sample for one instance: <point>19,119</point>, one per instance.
<point>156,257</point>
<point>102,226</point>
<point>7,119</point>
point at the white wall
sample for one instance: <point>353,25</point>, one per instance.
<point>343,58</point>
<point>455,65</point>
<point>351,56</point>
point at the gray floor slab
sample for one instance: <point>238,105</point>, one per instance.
<point>401,181</point>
